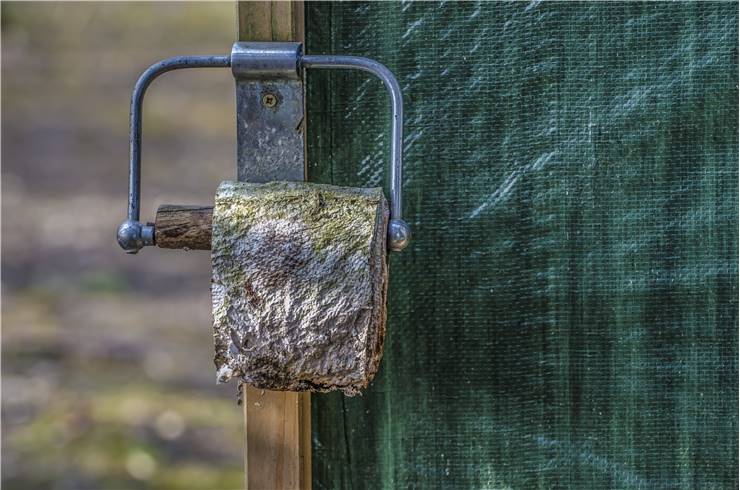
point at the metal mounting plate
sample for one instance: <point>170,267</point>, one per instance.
<point>269,112</point>
<point>269,118</point>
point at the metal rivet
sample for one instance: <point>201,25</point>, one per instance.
<point>269,100</point>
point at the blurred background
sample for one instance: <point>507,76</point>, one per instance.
<point>107,372</point>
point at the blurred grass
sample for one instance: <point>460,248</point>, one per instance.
<point>107,371</point>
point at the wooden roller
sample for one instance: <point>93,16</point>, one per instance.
<point>183,226</point>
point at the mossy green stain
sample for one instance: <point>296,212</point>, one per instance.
<point>330,214</point>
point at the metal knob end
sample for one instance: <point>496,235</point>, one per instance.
<point>399,234</point>
<point>133,236</point>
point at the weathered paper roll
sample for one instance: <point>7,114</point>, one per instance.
<point>299,285</point>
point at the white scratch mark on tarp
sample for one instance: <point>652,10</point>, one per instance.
<point>533,4</point>
<point>476,12</point>
<point>499,194</point>
<point>569,452</point>
<point>412,28</point>
<point>504,189</point>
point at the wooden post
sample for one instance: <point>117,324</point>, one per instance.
<point>277,424</point>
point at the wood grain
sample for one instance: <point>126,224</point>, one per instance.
<point>278,424</point>
<point>183,226</point>
<point>270,21</point>
<point>278,449</point>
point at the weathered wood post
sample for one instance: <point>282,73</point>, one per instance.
<point>277,423</point>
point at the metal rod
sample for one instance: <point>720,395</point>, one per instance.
<point>399,231</point>
<point>137,102</point>
<point>132,236</point>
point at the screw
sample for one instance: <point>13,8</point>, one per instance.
<point>269,100</point>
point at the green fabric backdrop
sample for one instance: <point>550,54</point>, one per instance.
<point>567,314</point>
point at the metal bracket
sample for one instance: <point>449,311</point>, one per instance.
<point>269,116</point>
<point>269,111</point>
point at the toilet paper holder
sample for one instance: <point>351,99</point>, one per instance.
<point>256,65</point>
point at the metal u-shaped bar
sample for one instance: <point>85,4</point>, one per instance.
<point>398,231</point>
<point>132,235</point>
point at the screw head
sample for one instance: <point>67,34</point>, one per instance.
<point>269,100</point>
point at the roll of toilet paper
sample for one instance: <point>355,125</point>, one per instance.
<point>299,285</point>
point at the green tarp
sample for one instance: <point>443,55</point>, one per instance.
<point>567,315</point>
